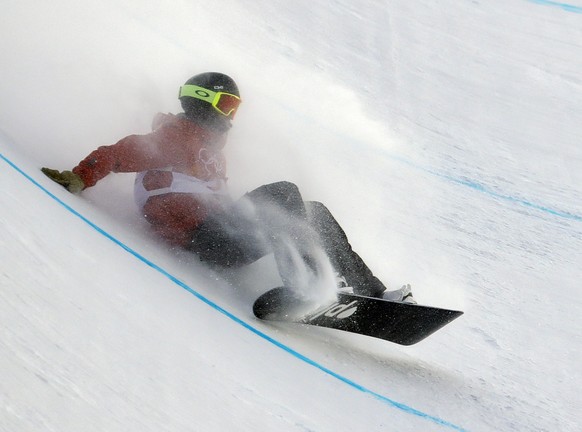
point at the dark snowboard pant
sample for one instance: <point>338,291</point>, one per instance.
<point>260,223</point>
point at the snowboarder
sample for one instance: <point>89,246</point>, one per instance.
<point>180,189</point>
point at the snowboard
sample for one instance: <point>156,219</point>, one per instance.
<point>401,323</point>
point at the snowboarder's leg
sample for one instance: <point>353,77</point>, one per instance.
<point>281,212</point>
<point>230,239</point>
<point>271,218</point>
<point>278,203</point>
<point>347,262</point>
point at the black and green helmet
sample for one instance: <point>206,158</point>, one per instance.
<point>210,98</point>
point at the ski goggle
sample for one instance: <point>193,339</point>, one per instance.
<point>225,103</point>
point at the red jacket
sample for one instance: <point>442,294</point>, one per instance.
<point>176,145</point>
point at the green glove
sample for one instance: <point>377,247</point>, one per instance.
<point>71,181</point>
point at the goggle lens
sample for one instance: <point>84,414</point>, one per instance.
<point>226,104</point>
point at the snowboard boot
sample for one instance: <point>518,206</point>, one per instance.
<point>342,284</point>
<point>404,295</point>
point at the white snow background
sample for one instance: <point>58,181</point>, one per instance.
<point>444,136</point>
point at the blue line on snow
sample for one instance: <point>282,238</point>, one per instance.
<point>480,188</point>
<point>403,407</point>
<point>459,181</point>
<point>565,6</point>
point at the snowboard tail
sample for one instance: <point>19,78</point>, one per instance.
<point>401,323</point>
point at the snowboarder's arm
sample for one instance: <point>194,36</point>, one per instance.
<point>131,154</point>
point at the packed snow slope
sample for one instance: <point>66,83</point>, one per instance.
<point>444,136</point>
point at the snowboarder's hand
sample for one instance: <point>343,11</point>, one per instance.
<point>71,181</point>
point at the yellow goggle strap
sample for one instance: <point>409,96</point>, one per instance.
<point>204,94</point>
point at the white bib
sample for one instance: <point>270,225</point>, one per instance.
<point>181,183</point>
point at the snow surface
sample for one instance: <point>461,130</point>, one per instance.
<point>445,137</point>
